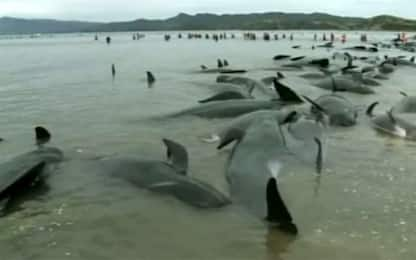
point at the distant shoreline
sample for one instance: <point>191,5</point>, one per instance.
<point>212,22</point>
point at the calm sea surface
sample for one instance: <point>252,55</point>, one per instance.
<point>366,204</point>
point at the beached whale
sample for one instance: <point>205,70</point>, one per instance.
<point>401,125</point>
<point>340,111</point>
<point>166,177</point>
<point>259,154</point>
<point>344,84</point>
<point>23,171</point>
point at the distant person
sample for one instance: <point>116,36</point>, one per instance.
<point>291,37</point>
<point>332,37</point>
<point>315,37</point>
<point>343,38</point>
<point>324,37</point>
<point>108,39</point>
<point>96,37</point>
<point>284,36</point>
<point>113,71</point>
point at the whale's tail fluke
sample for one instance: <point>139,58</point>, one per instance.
<point>277,212</point>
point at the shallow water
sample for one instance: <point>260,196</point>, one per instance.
<point>364,209</point>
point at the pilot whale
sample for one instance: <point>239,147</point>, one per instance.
<point>254,165</point>
<point>401,124</point>
<point>166,177</point>
<point>24,170</point>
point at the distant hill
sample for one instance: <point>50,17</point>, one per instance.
<point>9,25</point>
<point>259,21</point>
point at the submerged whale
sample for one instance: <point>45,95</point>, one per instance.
<point>166,177</point>
<point>23,171</point>
<point>406,105</point>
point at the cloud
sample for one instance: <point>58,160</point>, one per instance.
<point>113,10</point>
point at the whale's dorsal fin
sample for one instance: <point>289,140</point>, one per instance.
<point>277,211</point>
<point>319,158</point>
<point>370,109</point>
<point>203,67</point>
<point>285,93</point>
<point>42,135</point>
<point>177,155</point>
<point>150,78</point>
<point>231,135</point>
<point>219,64</point>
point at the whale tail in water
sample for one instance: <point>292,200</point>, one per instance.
<point>277,212</point>
<point>42,135</point>
<point>150,78</point>
<point>285,93</point>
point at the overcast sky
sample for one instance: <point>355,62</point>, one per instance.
<point>113,10</point>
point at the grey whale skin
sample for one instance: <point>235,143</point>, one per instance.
<point>165,177</point>
<point>22,171</point>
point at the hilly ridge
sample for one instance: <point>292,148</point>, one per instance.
<point>206,21</point>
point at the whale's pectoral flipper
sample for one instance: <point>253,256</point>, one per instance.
<point>277,212</point>
<point>403,93</point>
<point>315,105</point>
<point>391,116</point>
<point>42,135</point>
<point>370,109</point>
<point>285,93</point>
<point>233,134</point>
<point>319,156</point>
<point>4,205</point>
<point>290,118</point>
<point>177,155</point>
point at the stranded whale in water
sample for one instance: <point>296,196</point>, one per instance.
<point>397,124</point>
<point>169,177</point>
<point>24,171</point>
<point>259,153</point>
